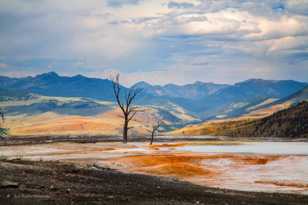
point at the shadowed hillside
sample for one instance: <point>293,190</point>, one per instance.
<point>297,97</point>
<point>288,123</point>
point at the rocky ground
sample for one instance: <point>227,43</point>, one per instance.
<point>25,182</point>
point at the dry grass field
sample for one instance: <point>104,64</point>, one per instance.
<point>108,123</point>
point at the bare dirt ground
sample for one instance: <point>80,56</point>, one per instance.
<point>27,182</point>
<point>31,140</point>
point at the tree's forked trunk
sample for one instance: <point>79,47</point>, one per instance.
<point>125,130</point>
<point>125,106</point>
<point>152,138</point>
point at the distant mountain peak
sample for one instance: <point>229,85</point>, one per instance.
<point>142,84</point>
<point>203,83</point>
<point>79,76</point>
<point>255,80</point>
<point>199,83</point>
<point>171,85</point>
<point>48,74</point>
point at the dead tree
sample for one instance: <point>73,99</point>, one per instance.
<point>125,102</point>
<point>155,129</point>
<point>3,131</point>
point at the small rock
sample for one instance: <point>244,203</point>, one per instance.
<point>22,187</point>
<point>68,190</point>
<point>52,187</point>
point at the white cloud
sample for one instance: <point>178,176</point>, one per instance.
<point>280,27</point>
<point>58,29</point>
<point>164,38</point>
<point>288,43</point>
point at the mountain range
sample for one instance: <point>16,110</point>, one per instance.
<point>51,84</point>
<point>193,91</point>
<point>199,99</point>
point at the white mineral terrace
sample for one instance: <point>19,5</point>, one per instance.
<point>248,166</point>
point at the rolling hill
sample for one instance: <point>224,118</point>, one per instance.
<point>301,95</point>
<point>39,115</point>
<point>221,101</point>
<point>7,94</point>
<point>271,106</point>
<point>289,123</point>
<point>234,100</point>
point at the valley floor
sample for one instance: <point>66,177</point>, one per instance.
<point>32,140</point>
<point>28,182</point>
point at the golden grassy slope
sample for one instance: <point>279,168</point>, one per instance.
<point>49,123</point>
<point>209,128</point>
<point>217,127</point>
<point>106,123</point>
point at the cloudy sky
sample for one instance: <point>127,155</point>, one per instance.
<point>159,41</point>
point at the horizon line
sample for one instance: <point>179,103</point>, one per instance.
<point>136,82</point>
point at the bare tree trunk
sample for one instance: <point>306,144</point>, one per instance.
<point>125,129</point>
<point>152,137</point>
<point>155,128</point>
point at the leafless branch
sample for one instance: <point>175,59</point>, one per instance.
<point>125,104</point>
<point>155,129</point>
<point>132,115</point>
